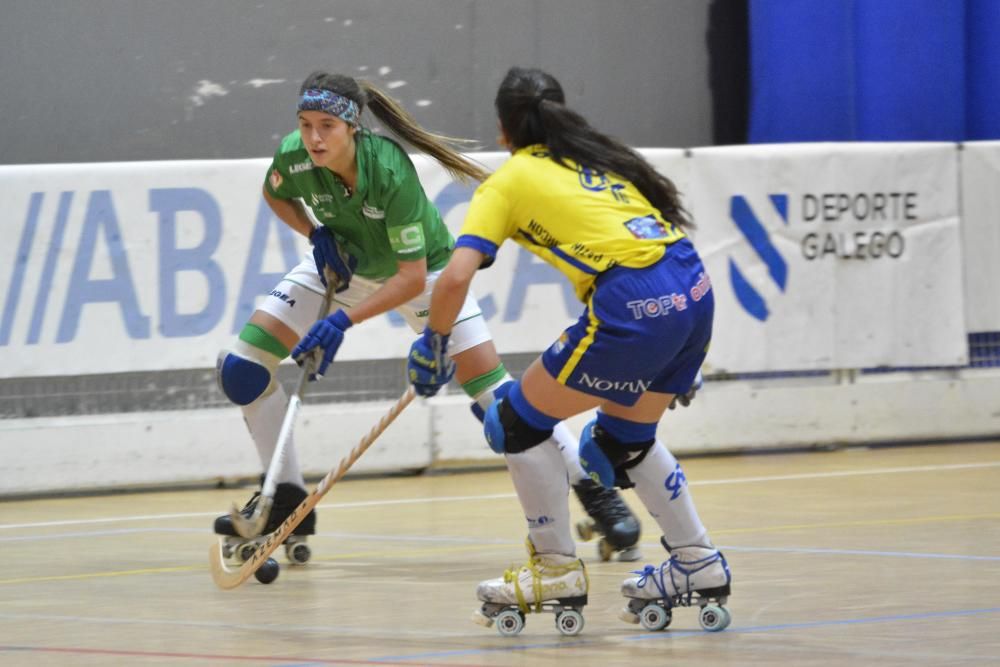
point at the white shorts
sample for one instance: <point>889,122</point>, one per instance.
<point>296,299</point>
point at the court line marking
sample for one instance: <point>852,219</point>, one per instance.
<point>682,634</point>
<point>380,553</point>
<point>495,496</point>
<point>355,631</point>
<point>215,656</point>
<point>467,545</point>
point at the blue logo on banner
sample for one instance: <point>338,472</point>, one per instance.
<point>754,232</point>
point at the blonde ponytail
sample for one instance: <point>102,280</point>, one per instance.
<point>442,148</point>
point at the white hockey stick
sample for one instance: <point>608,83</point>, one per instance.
<point>253,525</point>
<point>226,578</point>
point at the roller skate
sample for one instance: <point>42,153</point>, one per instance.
<point>549,582</point>
<point>611,518</point>
<point>286,498</point>
<point>694,575</point>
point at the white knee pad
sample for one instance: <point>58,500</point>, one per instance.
<point>245,373</point>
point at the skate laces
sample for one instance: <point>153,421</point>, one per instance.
<point>658,575</point>
<point>538,569</point>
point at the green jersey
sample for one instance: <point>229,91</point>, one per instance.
<point>386,219</point>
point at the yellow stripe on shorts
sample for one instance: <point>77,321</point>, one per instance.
<point>581,348</point>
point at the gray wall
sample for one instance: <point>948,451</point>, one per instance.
<point>114,80</point>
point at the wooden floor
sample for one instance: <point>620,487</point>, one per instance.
<point>853,557</point>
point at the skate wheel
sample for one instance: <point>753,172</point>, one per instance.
<point>227,550</point>
<point>585,529</point>
<point>509,622</point>
<point>604,550</point>
<point>714,618</point>
<point>298,553</point>
<point>655,618</point>
<point>569,623</point>
<point>267,572</point>
<point>245,551</point>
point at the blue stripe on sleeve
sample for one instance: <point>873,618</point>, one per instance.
<point>484,246</point>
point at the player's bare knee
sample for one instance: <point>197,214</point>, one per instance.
<point>508,433</point>
<point>605,457</point>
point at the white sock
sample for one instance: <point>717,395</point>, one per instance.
<point>263,418</point>
<point>569,447</point>
<point>539,477</point>
<point>662,488</point>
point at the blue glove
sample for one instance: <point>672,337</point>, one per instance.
<point>327,335</point>
<point>429,367</point>
<point>328,256</point>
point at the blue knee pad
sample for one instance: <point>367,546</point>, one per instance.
<point>606,459</point>
<point>494,430</point>
<point>595,462</point>
<point>507,432</point>
<point>242,380</point>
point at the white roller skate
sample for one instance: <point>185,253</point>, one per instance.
<point>692,576</point>
<point>549,582</point>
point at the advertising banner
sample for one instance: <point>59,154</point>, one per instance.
<point>149,266</point>
<point>981,234</point>
<point>829,256</point>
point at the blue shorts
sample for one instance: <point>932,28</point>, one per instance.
<point>643,330</point>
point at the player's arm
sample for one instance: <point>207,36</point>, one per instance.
<point>291,212</point>
<point>407,284</point>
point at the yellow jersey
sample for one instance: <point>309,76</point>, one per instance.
<point>580,221</point>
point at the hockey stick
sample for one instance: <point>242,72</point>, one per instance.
<point>253,525</point>
<point>226,578</point>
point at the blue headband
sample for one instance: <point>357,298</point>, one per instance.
<point>327,101</point>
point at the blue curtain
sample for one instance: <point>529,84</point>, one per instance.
<point>874,70</point>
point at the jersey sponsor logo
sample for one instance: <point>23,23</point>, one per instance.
<point>542,236</point>
<point>648,227</point>
<point>601,384</point>
<point>300,167</point>
<point>660,306</point>
<point>321,202</point>
<point>371,212</point>
<point>560,344</point>
<point>407,239</point>
<point>275,179</point>
<point>597,181</point>
<point>702,287</point>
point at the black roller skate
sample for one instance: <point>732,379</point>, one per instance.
<point>694,576</point>
<point>611,518</point>
<point>286,498</point>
